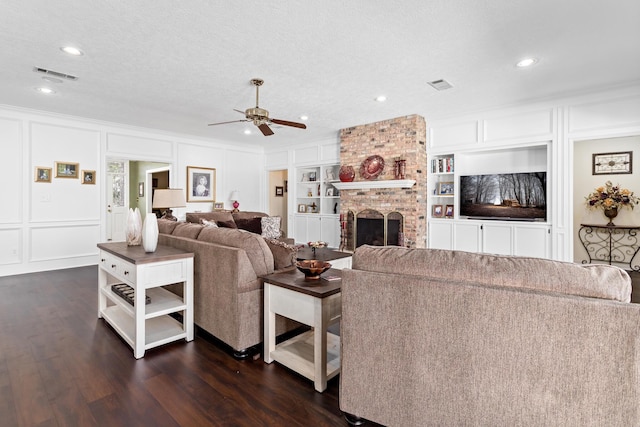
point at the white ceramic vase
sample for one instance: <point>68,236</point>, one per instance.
<point>134,228</point>
<point>150,233</point>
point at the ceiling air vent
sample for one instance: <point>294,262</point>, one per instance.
<point>440,84</point>
<point>54,73</point>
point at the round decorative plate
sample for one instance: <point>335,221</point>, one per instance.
<point>372,167</point>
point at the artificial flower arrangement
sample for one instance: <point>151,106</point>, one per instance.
<point>611,196</point>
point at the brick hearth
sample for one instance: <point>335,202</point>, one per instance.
<point>399,138</point>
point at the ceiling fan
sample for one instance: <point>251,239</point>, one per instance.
<point>260,116</point>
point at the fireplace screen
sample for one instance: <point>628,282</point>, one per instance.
<point>371,227</point>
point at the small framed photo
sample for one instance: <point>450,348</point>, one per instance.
<point>613,163</point>
<point>42,174</point>
<point>302,208</point>
<point>279,191</point>
<point>437,211</point>
<point>89,177</point>
<point>219,206</point>
<point>66,170</point>
<point>445,188</point>
<point>448,211</point>
<point>312,176</point>
<point>141,189</point>
<point>330,192</point>
<point>201,184</point>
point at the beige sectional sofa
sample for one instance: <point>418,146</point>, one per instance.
<point>445,338</point>
<point>228,264</point>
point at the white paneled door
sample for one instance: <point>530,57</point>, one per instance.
<point>117,200</point>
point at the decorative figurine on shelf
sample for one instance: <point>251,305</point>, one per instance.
<point>313,207</point>
<point>399,168</point>
<point>330,175</point>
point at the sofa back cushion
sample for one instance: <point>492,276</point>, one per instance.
<point>188,230</point>
<point>209,216</point>
<point>595,280</point>
<point>166,226</point>
<point>256,248</point>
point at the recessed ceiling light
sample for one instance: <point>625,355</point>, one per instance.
<point>247,131</point>
<point>72,50</point>
<point>304,117</point>
<point>381,98</point>
<point>45,90</point>
<point>527,62</point>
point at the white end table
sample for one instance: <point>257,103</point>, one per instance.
<point>314,354</point>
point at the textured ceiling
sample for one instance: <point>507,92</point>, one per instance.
<point>179,65</point>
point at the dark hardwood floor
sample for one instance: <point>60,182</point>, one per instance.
<point>62,366</point>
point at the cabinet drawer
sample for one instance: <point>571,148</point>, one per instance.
<point>117,267</point>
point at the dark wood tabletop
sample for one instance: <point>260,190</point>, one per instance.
<point>137,255</point>
<point>322,254</point>
<point>294,280</point>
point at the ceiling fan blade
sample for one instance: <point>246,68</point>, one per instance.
<point>224,123</point>
<point>287,123</point>
<point>265,129</point>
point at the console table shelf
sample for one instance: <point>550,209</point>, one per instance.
<point>611,243</point>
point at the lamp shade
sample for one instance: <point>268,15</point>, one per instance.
<point>234,195</point>
<point>169,198</point>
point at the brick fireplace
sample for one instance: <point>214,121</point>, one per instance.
<point>403,209</point>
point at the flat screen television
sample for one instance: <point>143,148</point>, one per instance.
<point>506,196</point>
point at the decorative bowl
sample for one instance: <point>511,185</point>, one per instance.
<point>312,268</point>
<point>372,167</point>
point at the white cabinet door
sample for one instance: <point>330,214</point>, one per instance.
<point>532,241</point>
<point>440,235</point>
<point>300,229</point>
<point>467,236</point>
<point>330,230</point>
<point>496,238</point>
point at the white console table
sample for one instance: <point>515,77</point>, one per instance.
<point>141,325</point>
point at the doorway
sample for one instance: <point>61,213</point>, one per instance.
<point>279,196</point>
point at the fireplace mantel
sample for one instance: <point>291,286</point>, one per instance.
<point>357,185</point>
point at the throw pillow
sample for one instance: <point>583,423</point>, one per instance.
<point>208,223</point>
<point>250,224</point>
<point>227,224</point>
<point>284,255</point>
<point>270,227</point>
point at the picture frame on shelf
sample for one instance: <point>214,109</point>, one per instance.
<point>312,176</point>
<point>618,163</point>
<point>42,174</point>
<point>302,208</point>
<point>448,211</point>
<point>445,188</point>
<point>437,211</point>
<point>218,206</point>
<point>330,192</point>
<point>201,184</point>
<point>67,170</point>
<point>279,191</point>
<point>89,177</point>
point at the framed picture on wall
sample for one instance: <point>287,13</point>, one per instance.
<point>89,177</point>
<point>43,174</point>
<point>201,184</point>
<point>612,163</point>
<point>279,191</point>
<point>66,170</point>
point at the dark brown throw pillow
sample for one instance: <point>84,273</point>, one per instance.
<point>227,224</point>
<point>253,225</point>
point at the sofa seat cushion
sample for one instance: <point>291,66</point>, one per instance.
<point>256,248</point>
<point>166,226</point>
<point>216,216</point>
<point>188,230</point>
<point>594,280</point>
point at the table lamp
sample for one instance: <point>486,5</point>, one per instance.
<point>234,198</point>
<point>168,198</point>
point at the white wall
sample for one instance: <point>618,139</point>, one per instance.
<point>45,226</point>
